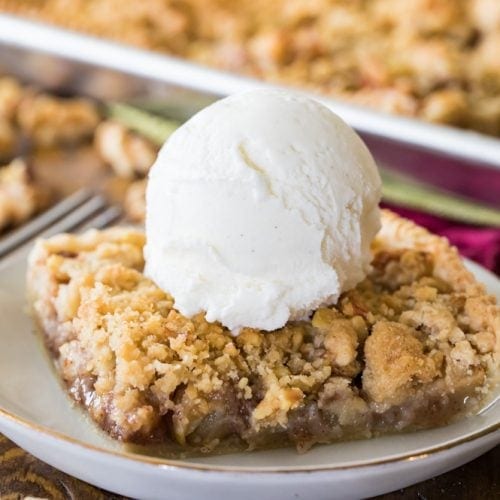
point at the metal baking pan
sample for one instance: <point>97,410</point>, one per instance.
<point>64,61</point>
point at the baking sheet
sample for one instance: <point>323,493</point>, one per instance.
<point>64,61</point>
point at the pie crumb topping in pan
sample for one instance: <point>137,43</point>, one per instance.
<point>432,59</point>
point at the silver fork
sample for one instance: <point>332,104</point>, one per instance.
<point>79,211</point>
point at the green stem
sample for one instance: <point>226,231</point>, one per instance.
<point>155,128</point>
<point>407,193</point>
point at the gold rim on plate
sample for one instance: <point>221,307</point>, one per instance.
<point>162,462</point>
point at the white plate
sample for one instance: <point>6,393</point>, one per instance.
<point>37,415</point>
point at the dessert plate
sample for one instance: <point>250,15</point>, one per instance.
<point>36,413</point>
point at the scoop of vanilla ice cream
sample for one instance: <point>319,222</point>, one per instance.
<point>260,209</point>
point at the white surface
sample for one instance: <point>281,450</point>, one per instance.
<point>35,413</point>
<point>170,70</point>
<point>260,209</point>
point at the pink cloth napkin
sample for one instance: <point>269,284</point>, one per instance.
<point>481,244</point>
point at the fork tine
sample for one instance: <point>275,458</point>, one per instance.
<point>102,219</point>
<point>76,217</point>
<point>66,222</point>
<point>38,224</point>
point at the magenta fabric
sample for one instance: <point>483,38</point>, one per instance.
<point>478,243</point>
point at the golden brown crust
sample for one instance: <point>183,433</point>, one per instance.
<point>397,233</point>
<point>145,372</point>
<point>396,363</point>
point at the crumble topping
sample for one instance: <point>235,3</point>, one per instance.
<point>396,364</point>
<point>46,120</point>
<point>10,97</point>
<point>32,120</point>
<point>135,201</point>
<point>434,59</point>
<point>20,198</point>
<point>50,120</point>
<point>11,94</point>
<point>128,154</point>
<point>8,139</point>
<point>402,350</point>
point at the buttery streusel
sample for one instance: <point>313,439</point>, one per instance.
<point>50,120</point>
<point>129,154</point>
<point>135,201</point>
<point>434,59</point>
<point>412,346</point>
<point>20,197</point>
